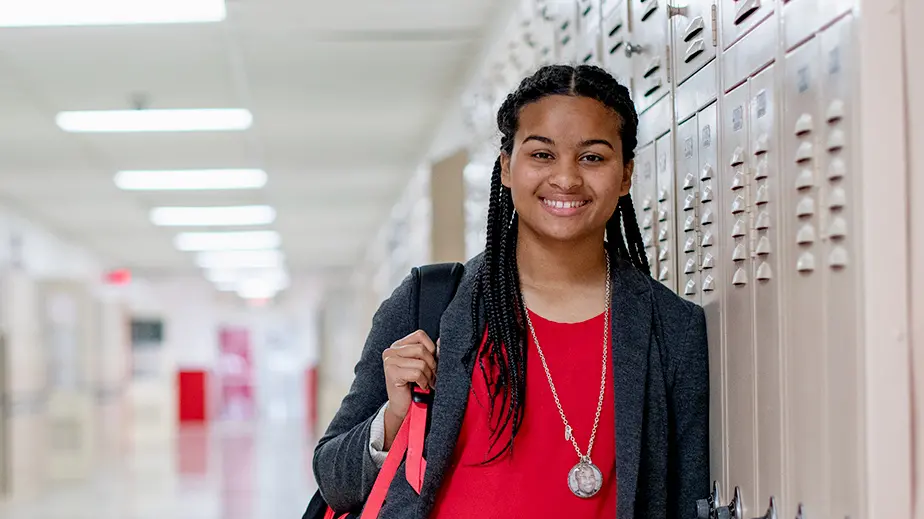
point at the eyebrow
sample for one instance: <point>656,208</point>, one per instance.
<point>583,144</point>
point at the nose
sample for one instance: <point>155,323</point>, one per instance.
<point>566,175</point>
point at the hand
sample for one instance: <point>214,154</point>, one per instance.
<point>411,360</point>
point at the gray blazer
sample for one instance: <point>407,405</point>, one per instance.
<point>660,369</point>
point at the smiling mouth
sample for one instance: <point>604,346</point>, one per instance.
<point>563,204</point>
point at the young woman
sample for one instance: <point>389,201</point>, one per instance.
<point>567,383</point>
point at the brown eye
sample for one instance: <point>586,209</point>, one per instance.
<point>593,158</point>
<point>541,155</point>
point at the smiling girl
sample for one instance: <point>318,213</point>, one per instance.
<point>567,383</point>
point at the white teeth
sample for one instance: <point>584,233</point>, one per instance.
<point>559,204</point>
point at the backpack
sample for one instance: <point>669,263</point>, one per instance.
<point>435,286</point>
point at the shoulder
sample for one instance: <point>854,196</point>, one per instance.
<point>676,322</point>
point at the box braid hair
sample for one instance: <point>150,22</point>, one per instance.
<point>497,285</point>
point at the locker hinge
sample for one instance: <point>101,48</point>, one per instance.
<point>715,25</point>
<point>668,64</point>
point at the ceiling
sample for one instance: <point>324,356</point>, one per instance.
<point>345,102</point>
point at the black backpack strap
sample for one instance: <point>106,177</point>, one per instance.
<point>436,286</point>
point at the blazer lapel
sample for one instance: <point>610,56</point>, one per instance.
<point>453,383</point>
<point>631,334</point>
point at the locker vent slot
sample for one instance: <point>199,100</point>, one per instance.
<point>804,125</point>
<point>745,10</point>
<point>690,288</point>
<point>836,141</point>
<point>805,152</point>
<point>838,229</point>
<point>664,274</point>
<point>763,246</point>
<point>763,221</point>
<point>615,48</point>
<point>740,253</point>
<point>806,263</point>
<point>806,235</point>
<point>587,11</point>
<point>764,272</point>
<point>738,230</point>
<point>836,111</point>
<point>837,170</point>
<point>806,179</point>
<point>838,258</point>
<point>662,256</point>
<point>588,57</point>
<point>709,261</point>
<point>655,86</point>
<point>616,28</point>
<point>650,10</point>
<point>706,173</point>
<point>837,199</point>
<point>709,284</point>
<point>806,207</point>
<point>707,218</point>
<point>741,278</point>
<point>693,29</point>
<point>694,50</point>
<point>690,267</point>
<point>653,67</point>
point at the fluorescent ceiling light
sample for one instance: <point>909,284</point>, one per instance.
<point>208,241</point>
<point>213,216</point>
<point>267,259</point>
<point>36,13</point>
<point>110,121</point>
<point>177,180</point>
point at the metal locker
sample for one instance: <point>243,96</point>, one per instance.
<point>5,440</point>
<point>648,47</point>
<point>803,260</point>
<point>711,270</point>
<point>589,47</point>
<point>738,294</point>
<point>563,16</point>
<point>645,201</point>
<point>694,41</point>
<point>688,231</point>
<point>801,18</point>
<point>589,16</point>
<point>740,16</point>
<point>667,259</point>
<point>838,181</point>
<point>540,37</point>
<point>764,156</point>
<point>614,35</point>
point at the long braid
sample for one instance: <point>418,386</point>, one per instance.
<point>502,358</point>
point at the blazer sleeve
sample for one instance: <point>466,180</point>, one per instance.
<point>689,410</point>
<point>343,465</point>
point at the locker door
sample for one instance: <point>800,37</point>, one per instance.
<point>840,193</point>
<point>614,35</point>
<point>711,275</point>
<point>739,16</point>
<point>765,156</point>
<point>739,314</point>
<point>688,211</point>
<point>589,16</point>
<point>650,44</point>
<point>541,39</point>
<point>590,49</point>
<point>667,260</point>
<point>564,19</point>
<point>644,196</point>
<point>692,37</point>
<point>805,353</point>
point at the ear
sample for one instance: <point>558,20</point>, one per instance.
<point>627,178</point>
<point>505,169</point>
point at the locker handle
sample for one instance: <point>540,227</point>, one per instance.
<point>650,10</point>
<point>694,50</point>
<point>652,67</point>
<point>694,28</point>
<point>745,10</point>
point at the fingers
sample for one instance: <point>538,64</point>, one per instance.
<point>418,337</point>
<point>401,371</point>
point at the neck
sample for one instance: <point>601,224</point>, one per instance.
<point>544,264</point>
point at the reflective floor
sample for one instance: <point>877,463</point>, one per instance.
<point>227,472</point>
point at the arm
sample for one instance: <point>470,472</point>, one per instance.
<point>343,463</point>
<point>689,411</point>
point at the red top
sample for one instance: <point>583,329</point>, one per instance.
<point>533,481</point>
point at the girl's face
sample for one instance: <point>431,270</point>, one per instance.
<point>566,173</point>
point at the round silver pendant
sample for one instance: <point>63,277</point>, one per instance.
<point>585,479</point>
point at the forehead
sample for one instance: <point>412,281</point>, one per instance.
<point>564,117</point>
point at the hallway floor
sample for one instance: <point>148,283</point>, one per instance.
<point>227,472</point>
